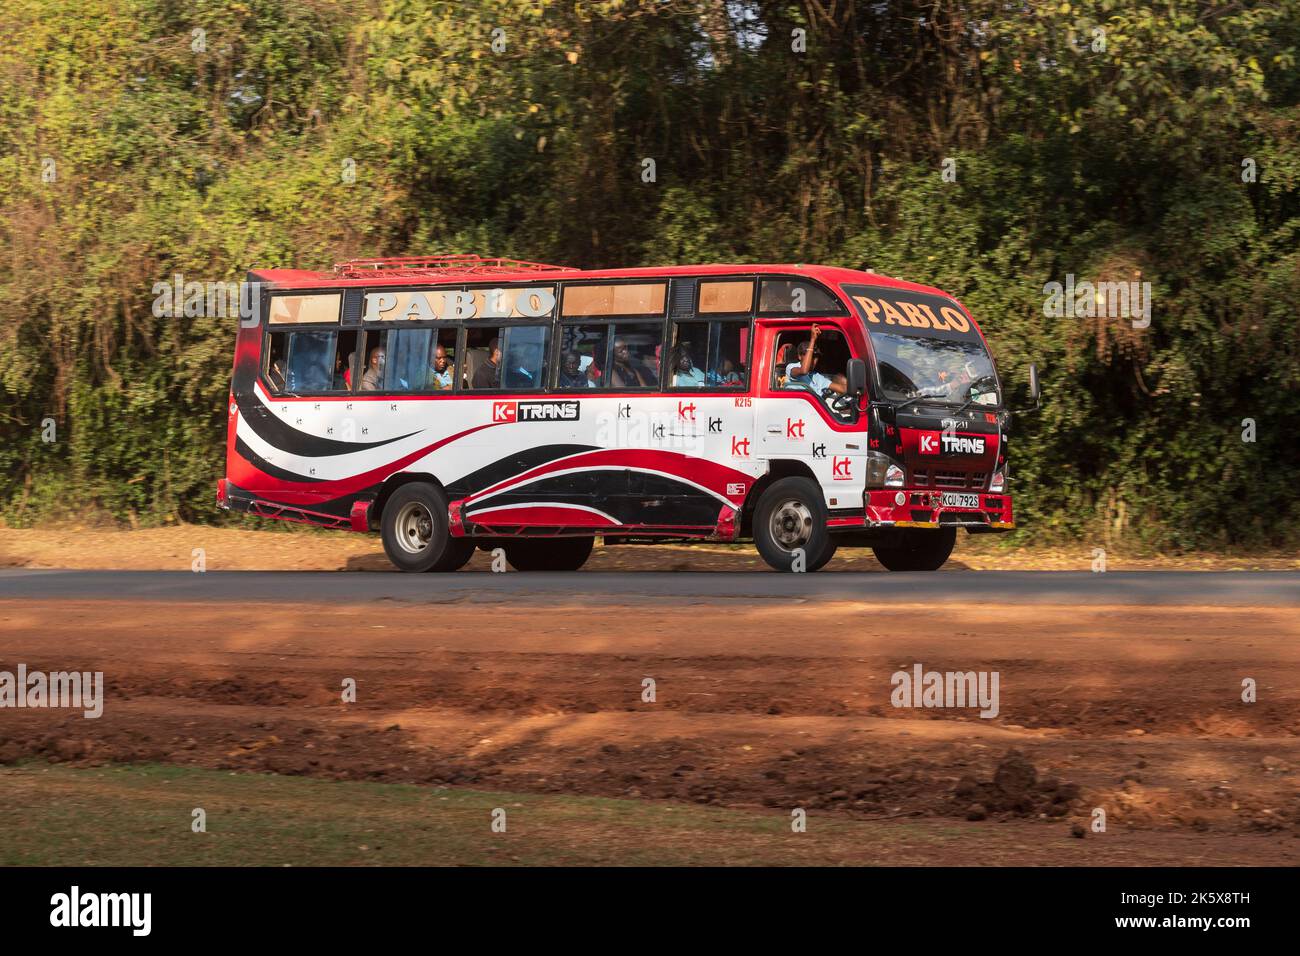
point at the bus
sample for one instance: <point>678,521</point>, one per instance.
<point>459,402</point>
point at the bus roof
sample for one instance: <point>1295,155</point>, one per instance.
<point>462,269</point>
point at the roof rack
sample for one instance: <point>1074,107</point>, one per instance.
<point>442,265</point>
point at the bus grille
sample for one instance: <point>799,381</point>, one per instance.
<point>924,478</point>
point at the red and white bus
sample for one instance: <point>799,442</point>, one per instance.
<point>456,402</point>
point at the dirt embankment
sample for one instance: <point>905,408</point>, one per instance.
<point>1137,712</point>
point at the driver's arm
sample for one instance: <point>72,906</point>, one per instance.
<point>839,384</point>
<point>806,363</point>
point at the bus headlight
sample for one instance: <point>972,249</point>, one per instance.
<point>999,480</point>
<point>882,472</point>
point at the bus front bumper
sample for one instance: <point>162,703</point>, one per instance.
<point>929,508</point>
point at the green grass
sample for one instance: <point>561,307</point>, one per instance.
<point>141,815</point>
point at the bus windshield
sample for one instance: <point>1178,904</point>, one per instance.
<point>953,371</point>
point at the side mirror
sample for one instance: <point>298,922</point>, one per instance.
<point>856,374</point>
<point>1035,391</point>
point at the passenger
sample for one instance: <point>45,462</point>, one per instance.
<point>572,374</point>
<point>804,372</point>
<point>526,373</point>
<point>488,374</point>
<point>726,374</point>
<point>684,371</point>
<point>444,372</point>
<point>372,380</point>
<point>276,375</point>
<point>625,372</point>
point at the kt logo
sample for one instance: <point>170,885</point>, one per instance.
<point>739,447</point>
<point>504,411</point>
<point>819,449</point>
<point>715,425</point>
<point>686,412</point>
<point>793,429</point>
<point>840,469</point>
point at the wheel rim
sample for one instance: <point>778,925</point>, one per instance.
<point>414,527</point>
<point>791,524</point>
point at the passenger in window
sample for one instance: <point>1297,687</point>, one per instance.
<point>572,374</point>
<point>684,371</point>
<point>372,380</point>
<point>276,375</point>
<point>804,372</point>
<point>626,372</point>
<point>347,372</point>
<point>527,367</point>
<point>726,374</point>
<point>488,374</point>
<point>443,372</point>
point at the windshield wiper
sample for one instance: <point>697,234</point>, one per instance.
<point>970,401</point>
<point>921,398</point>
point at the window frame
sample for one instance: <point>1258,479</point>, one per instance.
<point>665,281</point>
<point>753,297</point>
<point>709,387</point>
<point>843,309</point>
<point>555,324</point>
<point>388,327</point>
<point>612,322</point>
<point>805,331</point>
<point>501,325</point>
<point>288,330</point>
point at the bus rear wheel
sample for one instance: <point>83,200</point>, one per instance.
<point>917,549</point>
<point>548,554</point>
<point>789,521</point>
<point>416,532</point>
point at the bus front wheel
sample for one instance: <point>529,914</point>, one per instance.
<point>790,526</point>
<point>548,554</point>
<point>917,549</point>
<point>416,532</point>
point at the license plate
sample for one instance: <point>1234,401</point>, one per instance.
<point>960,501</point>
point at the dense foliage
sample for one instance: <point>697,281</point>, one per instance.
<point>133,147</point>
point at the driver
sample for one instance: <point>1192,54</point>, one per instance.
<point>804,372</point>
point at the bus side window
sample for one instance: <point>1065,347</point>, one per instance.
<point>371,361</point>
<point>686,359</point>
<point>523,363</point>
<point>728,365</point>
<point>787,295</point>
<point>635,356</point>
<point>482,345</point>
<point>310,363</point>
<point>582,356</point>
<point>406,365</point>
<point>709,354</point>
<point>276,351</point>
<point>345,357</point>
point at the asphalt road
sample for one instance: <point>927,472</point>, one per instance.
<point>1010,587</point>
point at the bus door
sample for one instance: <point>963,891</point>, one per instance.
<point>795,421</point>
<point>792,419</point>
